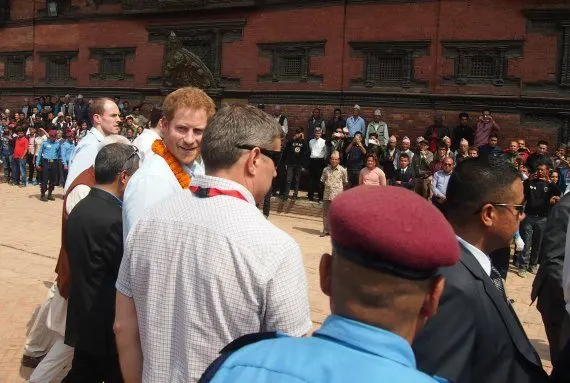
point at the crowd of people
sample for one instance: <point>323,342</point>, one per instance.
<point>168,271</point>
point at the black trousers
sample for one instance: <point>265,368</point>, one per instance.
<point>293,172</point>
<point>49,175</point>
<point>316,166</point>
<point>31,166</point>
<point>550,303</point>
<point>500,260</point>
<point>88,368</point>
<point>267,203</point>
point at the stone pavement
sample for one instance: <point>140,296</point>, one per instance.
<point>29,245</point>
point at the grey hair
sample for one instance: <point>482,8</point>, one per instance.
<point>235,125</point>
<point>112,160</point>
<point>113,139</point>
<point>335,152</point>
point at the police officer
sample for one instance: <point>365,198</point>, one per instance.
<point>383,286</point>
<point>47,162</point>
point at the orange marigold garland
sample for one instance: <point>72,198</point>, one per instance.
<point>183,178</point>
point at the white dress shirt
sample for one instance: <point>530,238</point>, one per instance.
<point>83,156</point>
<point>153,182</point>
<point>285,125</point>
<point>481,257</point>
<point>318,148</point>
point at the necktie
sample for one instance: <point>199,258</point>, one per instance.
<point>498,281</point>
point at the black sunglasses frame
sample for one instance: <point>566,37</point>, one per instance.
<point>274,155</point>
<point>520,208</point>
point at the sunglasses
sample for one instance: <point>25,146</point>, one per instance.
<point>274,155</point>
<point>520,208</point>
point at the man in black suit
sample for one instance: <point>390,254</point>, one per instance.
<point>476,336</point>
<point>547,285</point>
<point>404,175</point>
<point>94,242</point>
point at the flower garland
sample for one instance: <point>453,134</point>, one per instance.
<point>182,177</point>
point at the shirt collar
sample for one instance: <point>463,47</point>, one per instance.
<point>370,339</point>
<point>98,135</point>
<point>205,181</point>
<point>112,195</point>
<point>481,257</point>
<point>196,169</point>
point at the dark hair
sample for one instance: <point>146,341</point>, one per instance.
<point>337,110</point>
<point>473,148</point>
<point>477,181</point>
<point>359,133</point>
<point>373,134</point>
<point>494,135</point>
<point>112,160</point>
<point>298,130</point>
<point>374,157</point>
<point>155,116</point>
<point>542,142</point>
<point>404,155</point>
<point>463,114</point>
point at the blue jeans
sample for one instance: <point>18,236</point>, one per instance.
<point>6,158</point>
<point>531,230</point>
<point>19,171</point>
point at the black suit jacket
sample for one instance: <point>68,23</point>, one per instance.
<point>552,248</point>
<point>94,242</point>
<point>407,179</point>
<point>475,336</point>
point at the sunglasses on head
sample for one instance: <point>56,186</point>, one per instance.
<point>274,155</point>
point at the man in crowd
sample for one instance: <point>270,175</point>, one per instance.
<point>462,152</point>
<point>435,133</point>
<point>491,147</point>
<point>104,114</point>
<point>404,175</point>
<point>66,150</point>
<point>31,153</point>
<point>524,152</point>
<point>380,296</point>
<point>171,163</point>
<point>540,155</point>
<point>317,155</point>
<point>281,119</point>
<point>513,151</point>
<point>46,162</point>
<point>139,119</point>
<point>379,127</point>
<point>355,123</point>
<point>485,127</point>
<point>440,181</point>
<point>476,336</point>
<point>355,152</point>
<point>404,149</point>
<point>463,131</point>
<point>335,180</point>
<point>81,109</point>
<point>539,196</point>
<point>145,140</point>
<point>315,121</point>
<point>19,175</point>
<point>295,156</point>
<point>547,286</point>
<point>387,161</point>
<point>336,122</point>
<point>473,152</point>
<point>95,245</point>
<point>235,274</point>
<point>421,162</point>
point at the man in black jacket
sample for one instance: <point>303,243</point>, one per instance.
<point>475,336</point>
<point>296,158</point>
<point>94,242</point>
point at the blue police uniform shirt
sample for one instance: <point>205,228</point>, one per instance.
<point>342,350</point>
<point>48,151</point>
<point>66,149</point>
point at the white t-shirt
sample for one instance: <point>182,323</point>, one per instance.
<point>153,182</point>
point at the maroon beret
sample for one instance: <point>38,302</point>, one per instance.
<point>393,230</point>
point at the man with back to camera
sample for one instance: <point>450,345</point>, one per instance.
<point>476,335</point>
<point>380,295</point>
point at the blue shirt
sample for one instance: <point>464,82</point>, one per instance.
<point>48,151</point>
<point>342,350</point>
<point>66,149</point>
<point>355,125</point>
<point>439,183</point>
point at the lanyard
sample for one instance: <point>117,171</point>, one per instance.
<point>201,192</point>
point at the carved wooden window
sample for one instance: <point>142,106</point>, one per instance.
<point>388,63</point>
<point>564,71</point>
<point>112,63</point>
<point>481,62</point>
<point>291,62</point>
<point>4,10</point>
<point>14,65</point>
<point>58,66</point>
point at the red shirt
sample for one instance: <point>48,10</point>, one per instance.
<point>20,147</point>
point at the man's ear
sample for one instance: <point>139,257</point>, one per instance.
<point>325,272</point>
<point>253,161</point>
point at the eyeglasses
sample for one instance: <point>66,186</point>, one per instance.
<point>444,164</point>
<point>134,153</point>
<point>274,155</point>
<point>520,208</point>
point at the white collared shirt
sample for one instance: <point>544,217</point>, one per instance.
<point>153,182</point>
<point>481,257</point>
<point>318,148</point>
<point>144,141</point>
<point>83,156</point>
